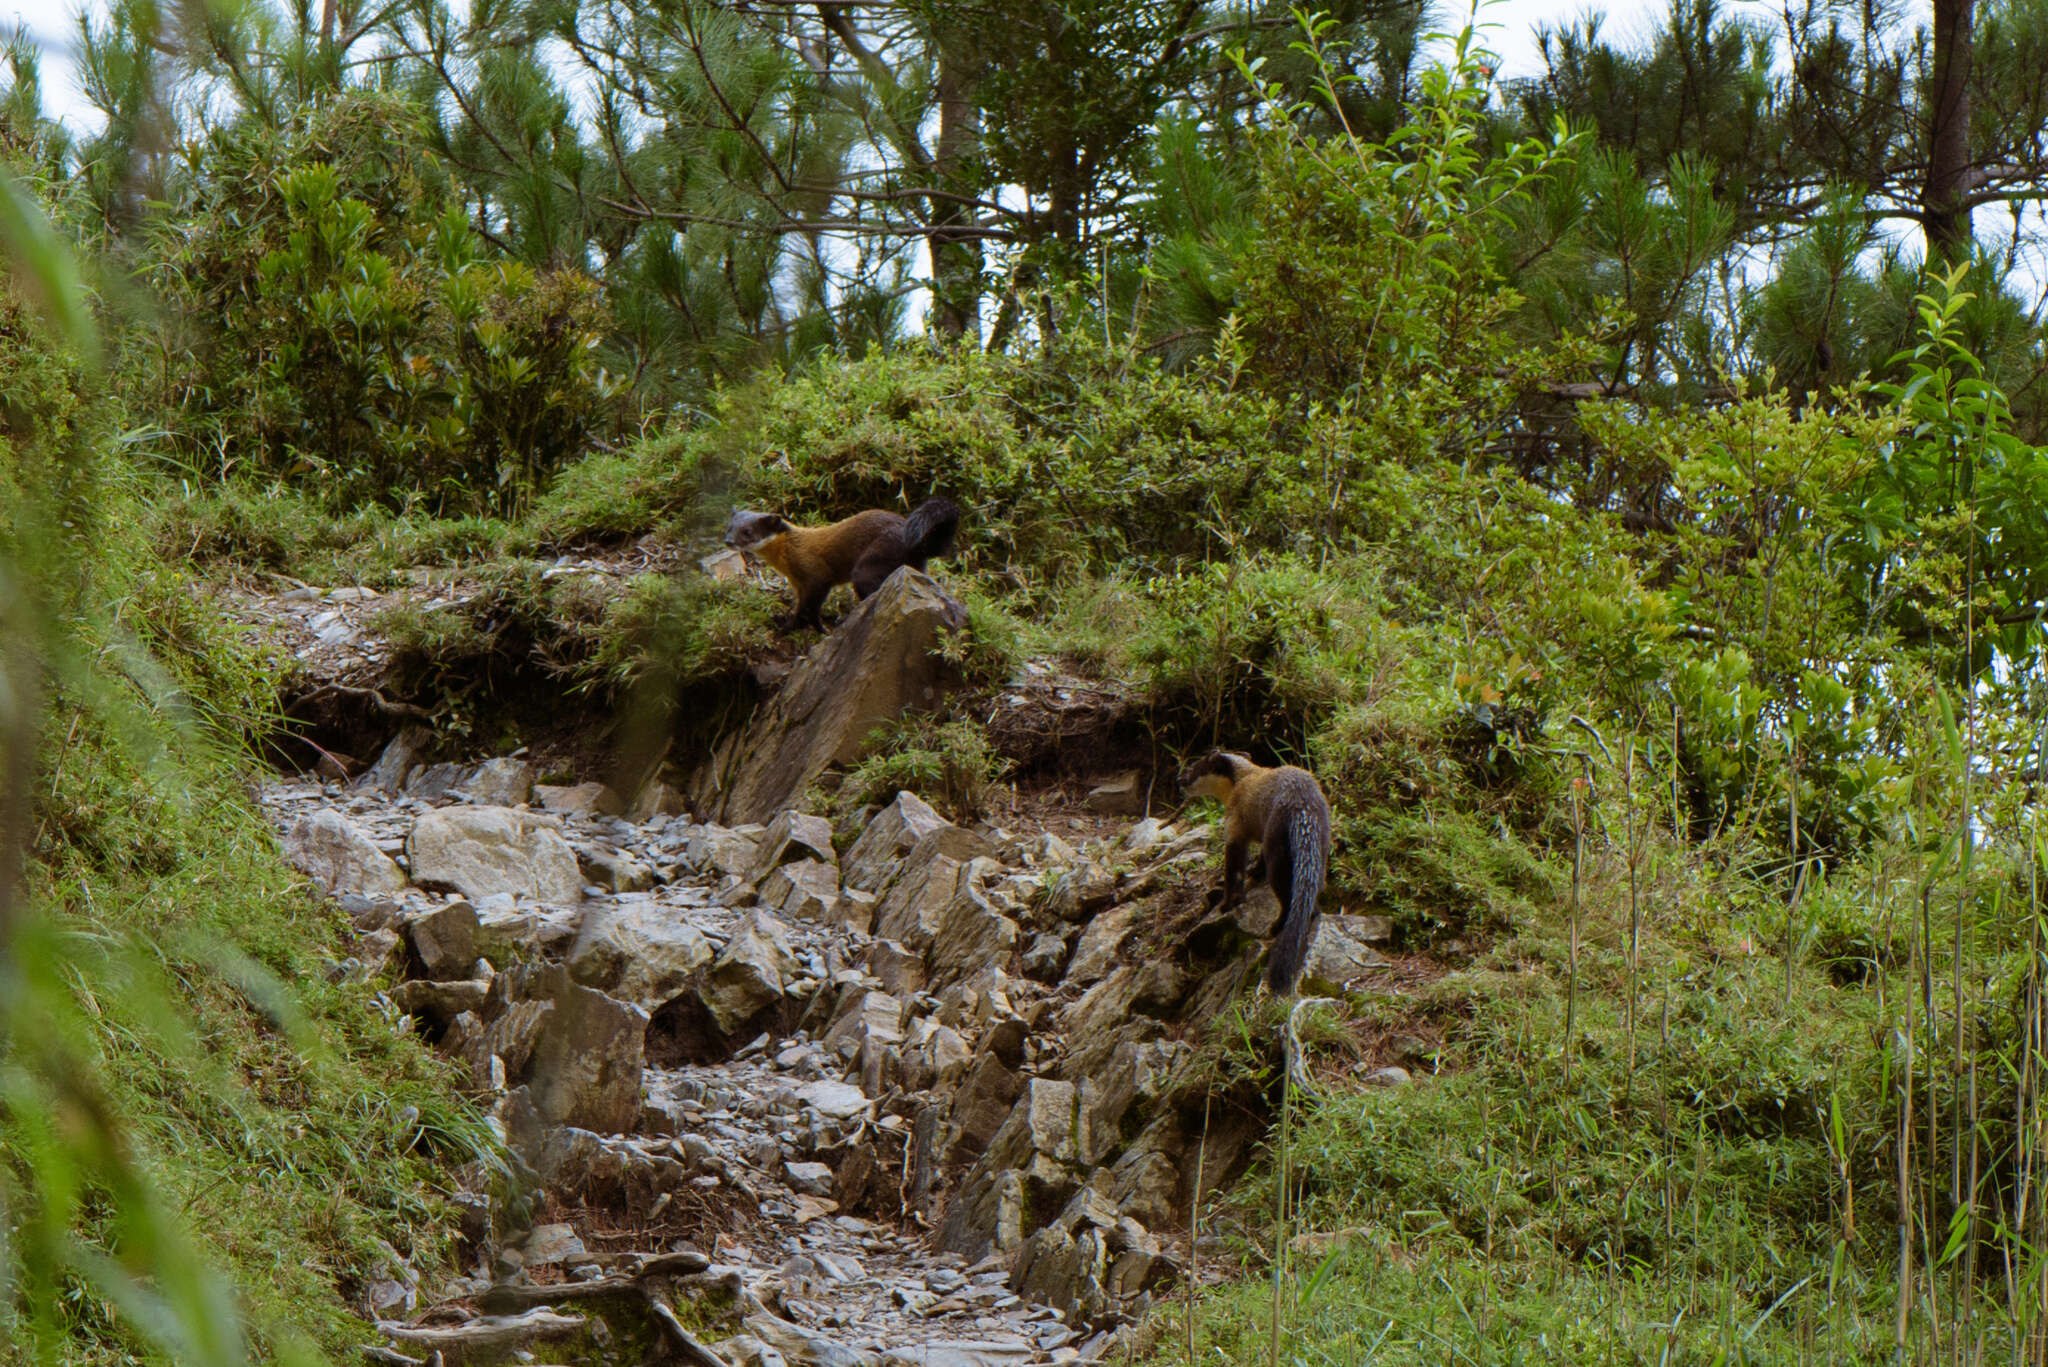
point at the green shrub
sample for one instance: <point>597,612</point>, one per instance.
<point>948,764</point>
<point>658,483</point>
<point>333,323</point>
<point>680,631</point>
<point>682,646</point>
<point>1260,651</point>
<point>1066,457</point>
<point>197,1162</point>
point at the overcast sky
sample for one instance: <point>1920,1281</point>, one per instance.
<point>52,24</point>
<point>1510,30</point>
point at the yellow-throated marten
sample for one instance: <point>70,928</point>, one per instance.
<point>862,550</point>
<point>1284,811</point>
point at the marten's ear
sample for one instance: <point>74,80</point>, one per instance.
<point>1210,765</point>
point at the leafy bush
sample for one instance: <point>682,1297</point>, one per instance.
<point>1067,456</point>
<point>948,764</point>
<point>658,482</point>
<point>676,647</point>
<point>334,324</point>
<point>1385,291</point>
<point>195,1160</point>
<point>686,628</point>
<point>240,525</point>
<point>1261,651</point>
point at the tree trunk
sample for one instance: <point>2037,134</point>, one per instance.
<point>1943,216</point>
<point>956,255</point>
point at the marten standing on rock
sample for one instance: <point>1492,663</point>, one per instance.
<point>863,550</point>
<point>1284,811</point>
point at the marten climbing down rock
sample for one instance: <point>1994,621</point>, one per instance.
<point>1284,811</point>
<point>863,550</point>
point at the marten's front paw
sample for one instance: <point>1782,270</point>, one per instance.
<point>1215,899</point>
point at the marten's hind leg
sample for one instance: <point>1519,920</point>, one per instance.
<point>872,570</point>
<point>1278,857</point>
<point>1232,890</point>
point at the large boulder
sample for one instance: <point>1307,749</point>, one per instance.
<point>507,1040</point>
<point>867,1016</point>
<point>399,759</point>
<point>638,952</point>
<point>873,860</point>
<point>505,932</point>
<point>328,849</point>
<point>806,890</point>
<point>501,783</point>
<point>481,851</point>
<point>1146,1179</point>
<point>1065,1269</point>
<point>833,1100</point>
<point>748,975</point>
<point>880,662</point>
<point>1033,1156</point>
<point>717,850</point>
<point>938,872</point>
<point>433,782</point>
<point>898,969</point>
<point>935,1056</point>
<point>1097,953</point>
<point>792,836</point>
<point>440,1001</point>
<point>444,940</point>
<point>577,798</point>
<point>971,935</point>
<point>1123,795</point>
<point>614,870</point>
<point>586,1064</point>
<point>1141,1074</point>
<point>1339,955</point>
<point>981,1105</point>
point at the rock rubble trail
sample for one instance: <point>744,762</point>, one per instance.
<point>725,1143</point>
<point>888,1092</point>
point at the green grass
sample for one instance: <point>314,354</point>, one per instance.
<point>949,764</point>
<point>1375,1301</point>
<point>243,527</point>
<point>204,1144</point>
<point>657,484</point>
<point>297,1132</point>
<point>1658,1146</point>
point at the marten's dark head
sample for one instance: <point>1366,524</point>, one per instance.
<point>747,530</point>
<point>1214,774</point>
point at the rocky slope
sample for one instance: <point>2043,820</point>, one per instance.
<point>901,1091</point>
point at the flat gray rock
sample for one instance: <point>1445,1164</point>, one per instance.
<point>962,1353</point>
<point>485,850</point>
<point>834,1100</point>
<point>329,849</point>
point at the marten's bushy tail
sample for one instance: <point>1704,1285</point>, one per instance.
<point>1308,837</point>
<point>928,531</point>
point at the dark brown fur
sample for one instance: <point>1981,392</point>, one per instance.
<point>862,550</point>
<point>1284,812</point>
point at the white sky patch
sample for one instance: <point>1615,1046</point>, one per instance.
<point>52,25</point>
<point>1507,27</point>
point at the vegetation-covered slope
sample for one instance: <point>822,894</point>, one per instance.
<point>1683,713</point>
<point>209,1148</point>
